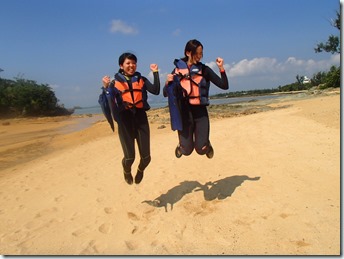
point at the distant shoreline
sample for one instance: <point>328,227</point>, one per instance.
<point>213,101</point>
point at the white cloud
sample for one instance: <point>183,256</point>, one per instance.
<point>270,66</point>
<point>162,77</point>
<point>256,66</point>
<point>121,27</point>
<point>214,66</point>
<point>265,72</point>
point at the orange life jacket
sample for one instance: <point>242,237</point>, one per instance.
<point>192,81</point>
<point>130,97</point>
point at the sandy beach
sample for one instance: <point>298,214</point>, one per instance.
<point>272,188</point>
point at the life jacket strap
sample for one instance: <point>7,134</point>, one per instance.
<point>128,105</point>
<point>131,90</point>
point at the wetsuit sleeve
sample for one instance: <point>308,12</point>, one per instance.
<point>210,75</point>
<point>155,87</point>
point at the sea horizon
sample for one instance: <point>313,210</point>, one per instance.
<point>96,109</point>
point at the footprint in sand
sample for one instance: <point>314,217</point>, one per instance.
<point>59,198</point>
<point>134,230</point>
<point>148,213</point>
<point>99,199</point>
<point>47,212</point>
<point>105,228</point>
<point>33,224</point>
<point>133,216</point>
<point>130,245</point>
<point>82,231</point>
<point>108,210</point>
<point>94,247</point>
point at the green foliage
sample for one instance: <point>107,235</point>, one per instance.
<point>319,78</point>
<point>21,97</point>
<point>333,43</point>
<point>333,77</point>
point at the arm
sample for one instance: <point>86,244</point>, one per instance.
<point>210,75</point>
<point>155,87</point>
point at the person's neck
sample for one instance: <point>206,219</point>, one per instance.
<point>191,63</point>
<point>127,76</point>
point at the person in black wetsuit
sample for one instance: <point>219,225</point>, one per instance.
<point>195,79</point>
<point>128,91</point>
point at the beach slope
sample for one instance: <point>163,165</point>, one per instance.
<point>272,188</point>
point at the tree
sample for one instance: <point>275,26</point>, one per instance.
<point>333,43</point>
<point>333,77</point>
<point>27,98</point>
<point>319,78</point>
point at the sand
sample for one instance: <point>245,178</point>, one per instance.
<point>272,188</point>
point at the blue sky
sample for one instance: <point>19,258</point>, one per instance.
<point>71,44</point>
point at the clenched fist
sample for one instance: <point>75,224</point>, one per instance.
<point>106,81</point>
<point>154,67</point>
<point>219,63</point>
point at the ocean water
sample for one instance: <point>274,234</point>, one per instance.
<point>97,110</point>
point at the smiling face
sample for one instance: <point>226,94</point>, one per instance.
<point>198,55</point>
<point>129,67</point>
<point>193,51</point>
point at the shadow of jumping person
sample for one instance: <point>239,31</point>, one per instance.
<point>221,189</point>
<point>174,195</point>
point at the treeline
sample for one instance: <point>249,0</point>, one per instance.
<point>21,97</point>
<point>322,80</point>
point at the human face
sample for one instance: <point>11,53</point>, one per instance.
<point>129,67</point>
<point>196,57</point>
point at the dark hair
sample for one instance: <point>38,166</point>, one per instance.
<point>192,46</point>
<point>126,55</point>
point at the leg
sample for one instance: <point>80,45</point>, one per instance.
<point>127,139</point>
<point>186,139</point>
<point>202,129</point>
<point>143,143</point>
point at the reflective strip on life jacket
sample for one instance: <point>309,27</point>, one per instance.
<point>131,97</point>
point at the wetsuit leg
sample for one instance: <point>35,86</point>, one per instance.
<point>143,138</point>
<point>201,131</point>
<point>186,138</point>
<point>126,133</point>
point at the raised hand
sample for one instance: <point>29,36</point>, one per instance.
<point>106,81</point>
<point>169,78</point>
<point>154,67</point>
<point>219,63</point>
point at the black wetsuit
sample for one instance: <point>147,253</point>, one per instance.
<point>133,124</point>
<point>196,126</point>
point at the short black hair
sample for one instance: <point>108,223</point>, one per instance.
<point>126,55</point>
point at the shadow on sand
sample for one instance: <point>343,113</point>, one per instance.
<point>220,189</point>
